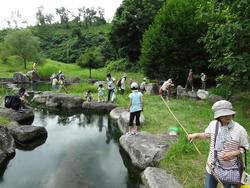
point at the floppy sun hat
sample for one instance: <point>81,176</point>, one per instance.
<point>222,108</point>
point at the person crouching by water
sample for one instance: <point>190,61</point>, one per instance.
<point>18,100</point>
<point>135,107</point>
<point>89,96</point>
<point>227,145</point>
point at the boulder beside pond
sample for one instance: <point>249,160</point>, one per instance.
<point>202,94</point>
<point>146,149</point>
<point>158,178</point>
<point>6,80</point>
<point>58,100</point>
<point>99,106</point>
<point>27,133</point>
<point>116,112</point>
<point>152,89</point>
<point>124,120</point>
<point>33,76</point>
<point>7,143</point>
<point>14,115</point>
<point>20,77</point>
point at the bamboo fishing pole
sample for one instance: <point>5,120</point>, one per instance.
<point>216,177</point>
<point>180,124</point>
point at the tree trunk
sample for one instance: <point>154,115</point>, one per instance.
<point>89,72</point>
<point>25,62</point>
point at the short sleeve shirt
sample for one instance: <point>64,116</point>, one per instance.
<point>110,82</point>
<point>136,101</point>
<point>239,138</point>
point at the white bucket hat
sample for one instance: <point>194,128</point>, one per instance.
<point>134,85</point>
<point>222,108</point>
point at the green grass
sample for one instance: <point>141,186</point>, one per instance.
<point>182,160</point>
<point>4,120</point>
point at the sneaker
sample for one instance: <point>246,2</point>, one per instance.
<point>128,133</point>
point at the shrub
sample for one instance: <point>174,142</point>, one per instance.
<point>117,65</point>
<point>46,71</point>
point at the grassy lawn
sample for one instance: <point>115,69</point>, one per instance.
<point>182,160</point>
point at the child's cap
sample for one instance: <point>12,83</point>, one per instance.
<point>134,86</point>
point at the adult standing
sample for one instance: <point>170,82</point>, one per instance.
<point>231,141</point>
<point>143,85</point>
<point>190,80</point>
<point>111,85</point>
<point>203,81</point>
<point>123,83</point>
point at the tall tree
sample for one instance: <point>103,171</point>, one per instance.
<point>23,44</point>
<point>40,16</point>
<point>92,58</point>
<point>49,18</point>
<point>228,39</point>
<point>132,18</point>
<point>170,46</point>
<point>63,14</point>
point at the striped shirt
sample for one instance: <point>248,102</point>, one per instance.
<point>239,138</point>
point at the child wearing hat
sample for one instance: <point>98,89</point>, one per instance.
<point>231,140</point>
<point>135,107</point>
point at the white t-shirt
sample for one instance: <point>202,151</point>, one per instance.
<point>123,83</point>
<point>100,91</point>
<point>239,138</point>
<point>110,82</point>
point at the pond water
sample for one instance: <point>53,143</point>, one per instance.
<point>81,150</point>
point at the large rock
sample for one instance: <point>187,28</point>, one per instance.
<point>192,94</point>
<point>7,143</point>
<point>99,106</point>
<point>152,89</point>
<point>27,133</point>
<point>26,114</point>
<point>33,76</point>
<point>146,149</point>
<point>20,77</point>
<point>181,91</point>
<point>202,94</point>
<point>116,112</point>
<point>58,100</point>
<point>124,120</point>
<point>6,80</point>
<point>214,98</point>
<point>158,178</point>
<point>72,80</point>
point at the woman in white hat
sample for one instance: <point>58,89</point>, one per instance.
<point>231,141</point>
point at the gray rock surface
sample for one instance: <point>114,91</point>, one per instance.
<point>158,178</point>
<point>20,77</point>
<point>27,133</point>
<point>152,89</point>
<point>192,94</point>
<point>181,91</point>
<point>33,76</point>
<point>116,112</point>
<point>99,106</point>
<point>202,94</point>
<point>7,143</point>
<point>58,100</point>
<point>6,80</point>
<point>214,98</point>
<point>72,80</point>
<point>124,120</point>
<point>15,115</point>
<point>146,149</point>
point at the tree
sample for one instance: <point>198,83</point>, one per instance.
<point>63,13</point>
<point>227,39</point>
<point>92,58</point>
<point>23,44</point>
<point>49,18</point>
<point>40,16</point>
<point>131,19</point>
<point>170,46</point>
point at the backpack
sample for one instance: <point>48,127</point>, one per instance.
<point>7,101</point>
<point>119,83</point>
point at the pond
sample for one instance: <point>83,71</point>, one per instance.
<point>81,150</point>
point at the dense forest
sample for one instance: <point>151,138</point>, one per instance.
<point>160,38</point>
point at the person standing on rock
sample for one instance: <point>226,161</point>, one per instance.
<point>228,139</point>
<point>122,84</point>
<point>135,107</point>
<point>190,80</point>
<point>100,93</point>
<point>111,85</point>
<point>143,85</point>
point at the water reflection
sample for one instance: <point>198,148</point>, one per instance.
<point>81,150</point>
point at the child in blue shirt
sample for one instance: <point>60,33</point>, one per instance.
<point>135,107</point>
